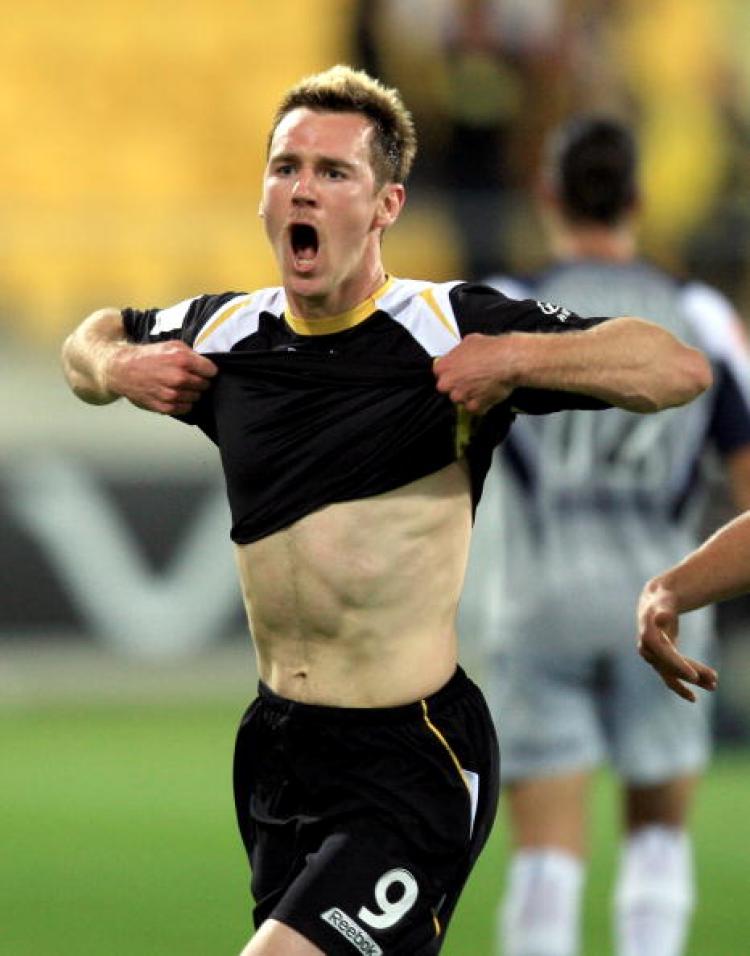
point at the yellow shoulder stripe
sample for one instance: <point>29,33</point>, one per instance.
<point>429,296</point>
<point>221,318</point>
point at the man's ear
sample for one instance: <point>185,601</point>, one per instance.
<point>390,203</point>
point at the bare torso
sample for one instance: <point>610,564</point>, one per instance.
<point>355,604</point>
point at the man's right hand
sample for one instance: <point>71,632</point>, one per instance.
<point>164,377</point>
<point>658,628</point>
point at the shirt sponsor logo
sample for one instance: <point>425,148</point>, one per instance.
<point>351,931</point>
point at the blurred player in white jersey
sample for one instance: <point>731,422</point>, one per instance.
<point>590,507</point>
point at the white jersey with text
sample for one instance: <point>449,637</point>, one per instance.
<point>593,505</point>
<point>578,512</point>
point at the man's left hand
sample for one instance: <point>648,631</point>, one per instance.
<point>477,372</point>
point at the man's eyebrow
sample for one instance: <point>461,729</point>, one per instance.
<point>337,161</point>
<point>289,156</point>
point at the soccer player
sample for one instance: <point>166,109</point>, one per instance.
<point>592,506</point>
<point>355,415</point>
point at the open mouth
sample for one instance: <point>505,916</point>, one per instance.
<point>304,240</point>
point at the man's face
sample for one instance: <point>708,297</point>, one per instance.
<point>323,213</point>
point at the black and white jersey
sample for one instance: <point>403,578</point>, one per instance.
<point>310,412</point>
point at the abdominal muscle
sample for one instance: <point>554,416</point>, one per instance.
<point>354,605</point>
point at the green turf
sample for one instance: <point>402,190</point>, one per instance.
<point>721,925</point>
<point>117,838</point>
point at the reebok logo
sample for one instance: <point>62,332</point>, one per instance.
<point>352,932</point>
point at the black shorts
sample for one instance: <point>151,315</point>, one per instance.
<point>362,825</point>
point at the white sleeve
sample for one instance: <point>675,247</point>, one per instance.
<point>719,331</point>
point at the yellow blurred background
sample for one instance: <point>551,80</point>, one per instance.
<point>134,133</point>
<point>134,147</point>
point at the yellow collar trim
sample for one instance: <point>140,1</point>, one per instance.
<point>339,323</point>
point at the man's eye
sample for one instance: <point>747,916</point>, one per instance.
<point>285,169</point>
<point>334,174</point>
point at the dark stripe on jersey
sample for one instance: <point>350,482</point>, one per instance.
<point>730,423</point>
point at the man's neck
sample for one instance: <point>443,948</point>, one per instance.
<point>609,243</point>
<point>344,296</point>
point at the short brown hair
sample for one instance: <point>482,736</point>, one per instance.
<point>342,89</point>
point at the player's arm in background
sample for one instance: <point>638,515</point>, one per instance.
<point>627,361</point>
<point>719,569</point>
<point>101,364</point>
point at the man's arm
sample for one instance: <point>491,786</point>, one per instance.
<point>101,365</point>
<point>627,362</point>
<point>717,570</point>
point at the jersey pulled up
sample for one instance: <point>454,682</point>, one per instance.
<point>306,413</point>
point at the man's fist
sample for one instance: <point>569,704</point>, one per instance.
<point>477,372</point>
<point>165,377</point>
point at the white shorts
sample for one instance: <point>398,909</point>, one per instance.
<point>559,709</point>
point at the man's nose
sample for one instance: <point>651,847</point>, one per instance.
<point>303,190</point>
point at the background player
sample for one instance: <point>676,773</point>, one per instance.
<point>591,507</point>
<point>366,770</point>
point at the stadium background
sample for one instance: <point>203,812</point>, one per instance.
<point>131,164</point>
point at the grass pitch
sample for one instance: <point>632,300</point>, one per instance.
<point>117,837</point>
